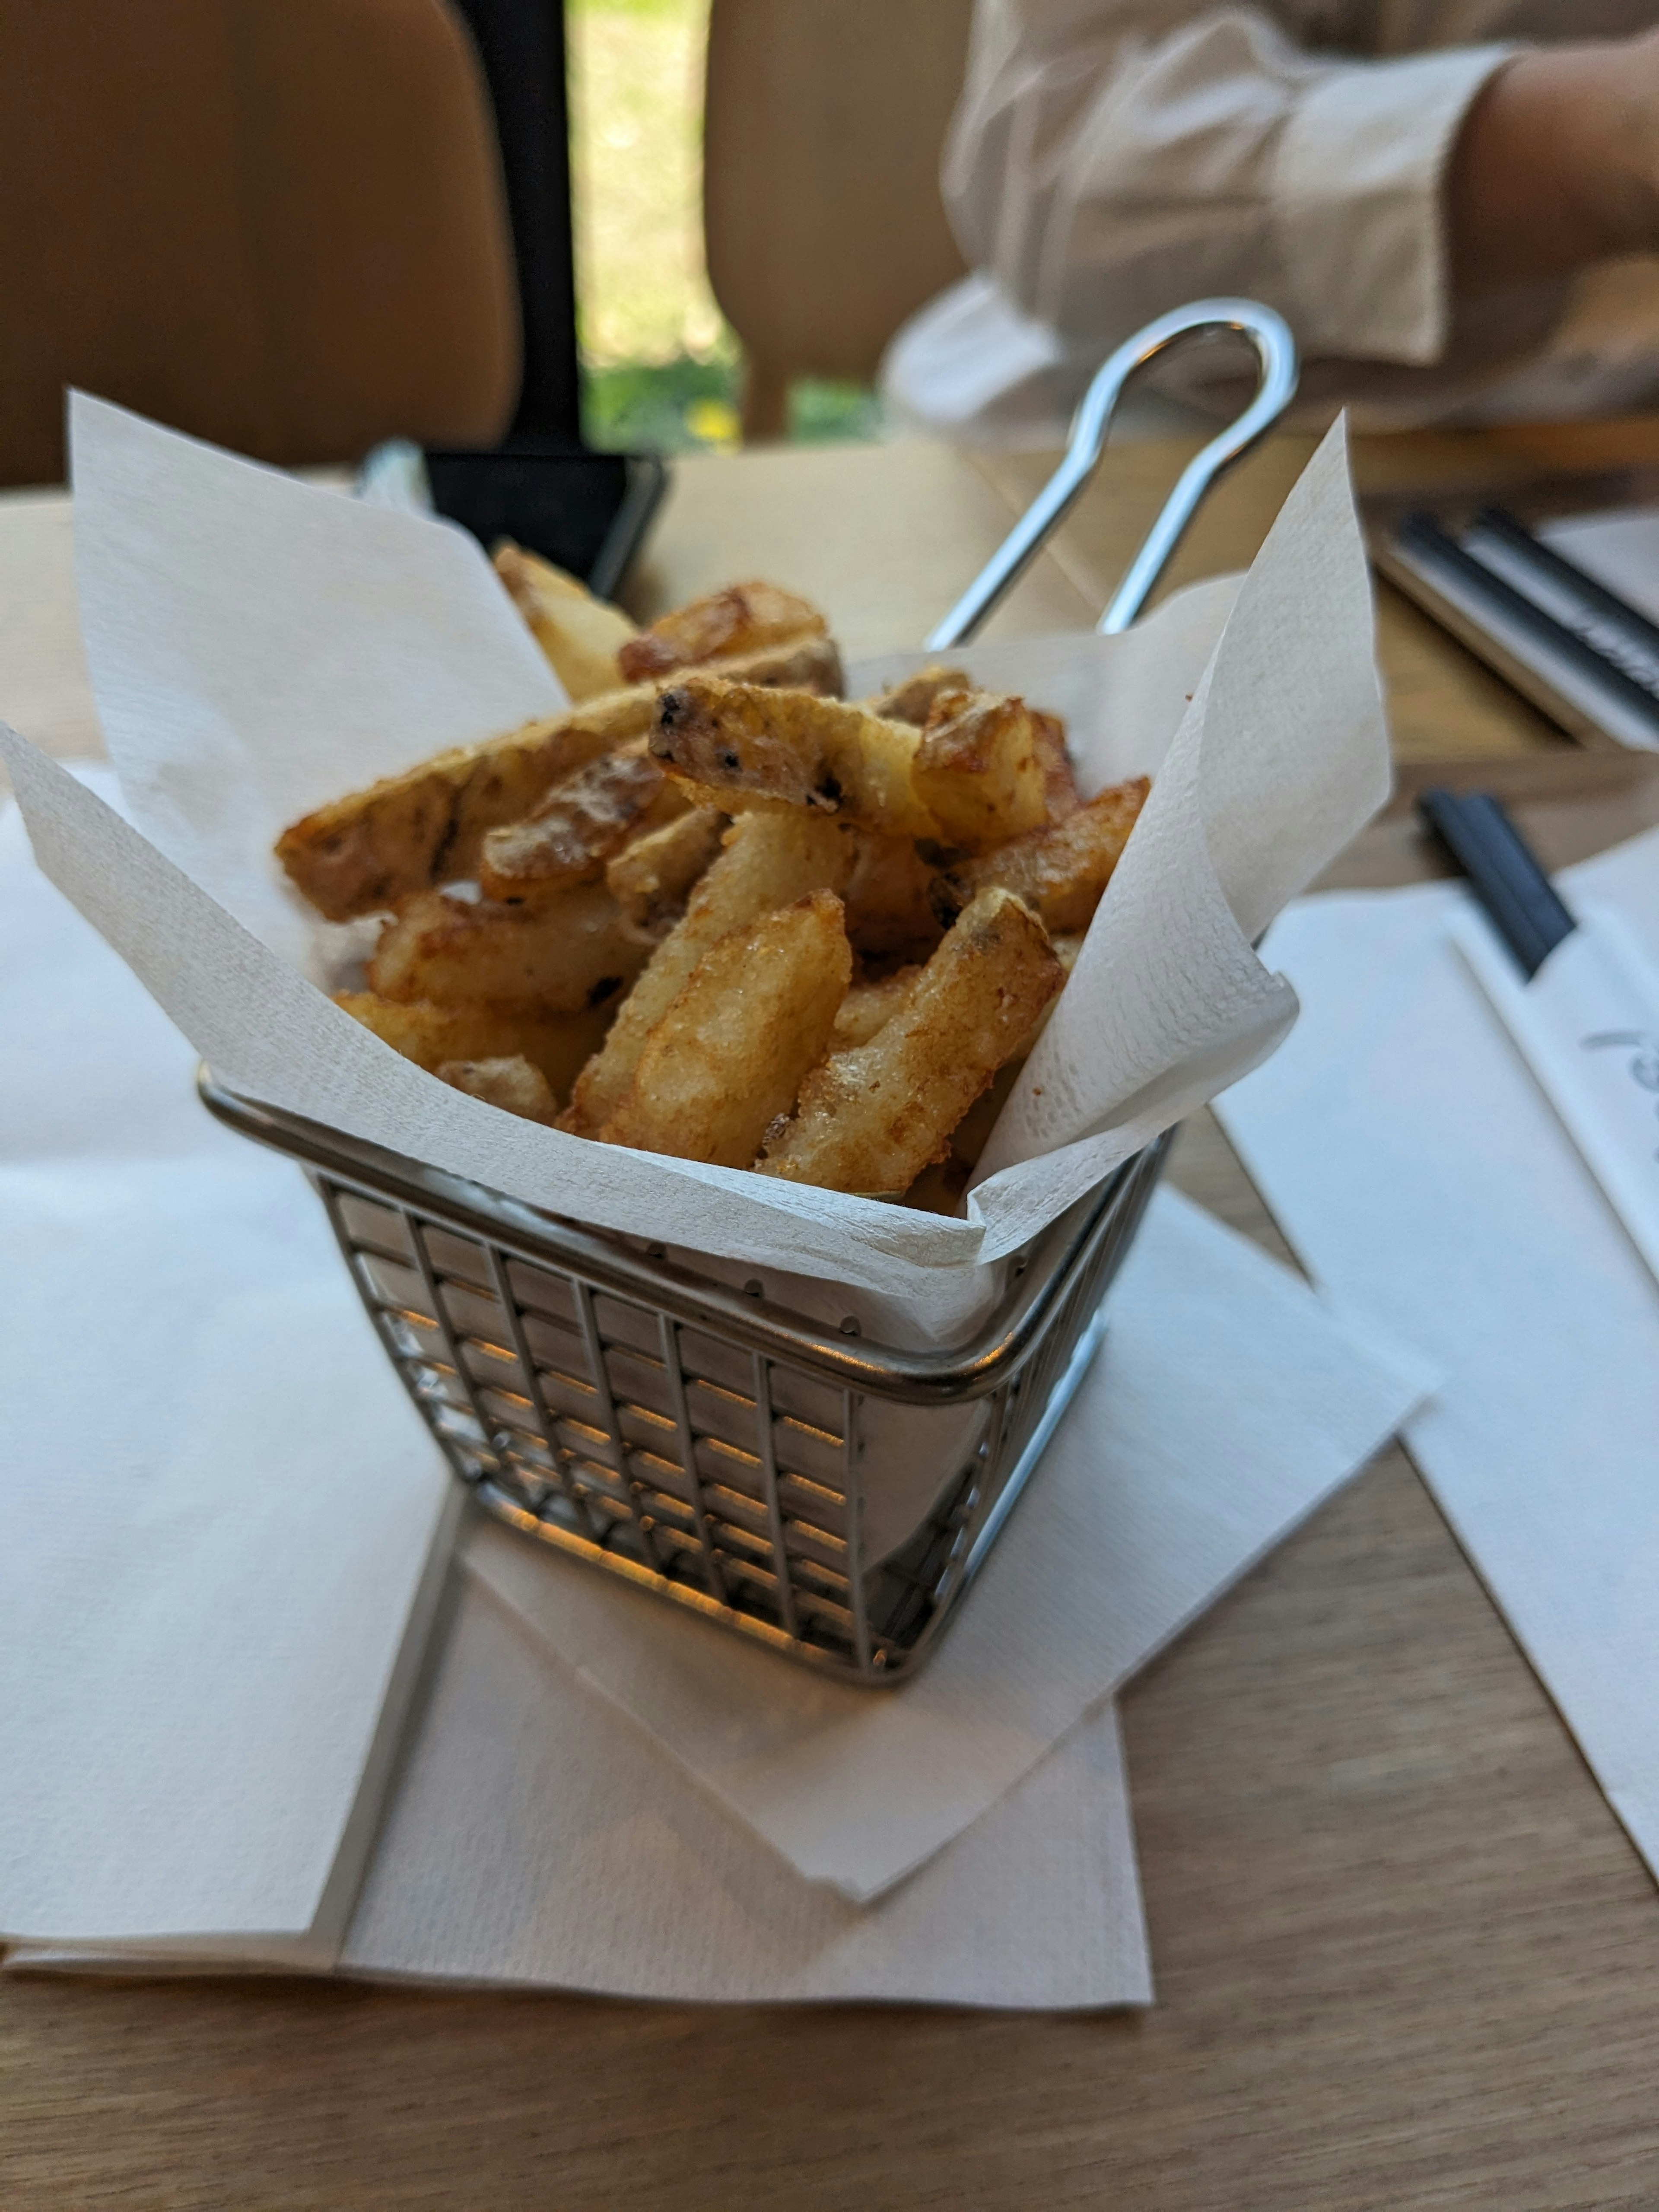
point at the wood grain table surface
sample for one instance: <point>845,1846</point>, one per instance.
<point>1404,1956</point>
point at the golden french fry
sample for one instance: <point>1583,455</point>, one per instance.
<point>1060,872</point>
<point>651,878</point>
<point>911,699</point>
<point>425,826</point>
<point>578,826</point>
<point>727,1057</point>
<point>890,913</point>
<point>513,1084</point>
<point>768,861</point>
<point>869,1005</point>
<point>980,770</point>
<point>972,1132</point>
<point>1060,778</point>
<point>791,749</point>
<point>557,1044</point>
<point>558,955</point>
<point>738,619</point>
<point>870,1119</point>
<point>579,634</point>
<point>364,852</point>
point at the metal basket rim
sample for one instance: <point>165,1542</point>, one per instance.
<point>1039,1276</point>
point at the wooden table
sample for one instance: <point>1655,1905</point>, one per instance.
<point>1404,1956</point>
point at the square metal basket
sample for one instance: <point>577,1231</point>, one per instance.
<point>707,1444</point>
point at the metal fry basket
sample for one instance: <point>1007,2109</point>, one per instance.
<point>698,1439</point>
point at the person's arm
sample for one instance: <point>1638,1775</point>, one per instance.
<point>1557,165</point>
<point>1112,158</point>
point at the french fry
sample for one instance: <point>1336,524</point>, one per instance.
<point>911,699</point>
<point>578,826</point>
<point>980,770</point>
<point>869,1005</point>
<point>969,1137</point>
<point>1060,778</point>
<point>768,861</point>
<point>738,619</point>
<point>727,1057</point>
<point>871,1119</point>
<point>791,749</point>
<point>1060,872</point>
<point>557,1044</point>
<point>652,878</point>
<point>889,914</point>
<point>513,1084</point>
<point>364,852</point>
<point>557,955</point>
<point>579,634</point>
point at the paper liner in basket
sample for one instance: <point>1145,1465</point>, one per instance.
<point>258,646</point>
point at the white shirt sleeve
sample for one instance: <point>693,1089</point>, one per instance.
<point>1113,158</point>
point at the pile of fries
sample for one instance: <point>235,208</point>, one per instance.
<point>715,911</point>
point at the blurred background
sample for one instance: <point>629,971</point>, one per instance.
<point>661,364</point>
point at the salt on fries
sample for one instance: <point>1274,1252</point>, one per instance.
<point>714,910</point>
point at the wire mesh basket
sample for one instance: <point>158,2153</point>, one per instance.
<point>705,1443</point>
<point>709,1445</point>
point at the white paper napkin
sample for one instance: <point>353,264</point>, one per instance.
<point>1419,1173</point>
<point>257,645</point>
<point>222,1524</point>
<point>1226,1403</point>
<point>537,1837</point>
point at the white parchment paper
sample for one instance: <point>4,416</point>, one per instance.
<point>258,646</point>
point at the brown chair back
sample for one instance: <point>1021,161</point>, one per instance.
<point>824,126</point>
<point>274,223</point>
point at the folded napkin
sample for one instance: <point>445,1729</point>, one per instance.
<point>1420,1174</point>
<point>222,1524</point>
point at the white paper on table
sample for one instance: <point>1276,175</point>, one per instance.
<point>537,1840</point>
<point>1227,1403</point>
<point>1422,1176</point>
<point>223,1526</point>
<point>1587,1023</point>
<point>233,701</point>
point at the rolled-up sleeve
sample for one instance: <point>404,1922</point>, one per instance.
<point>1112,158</point>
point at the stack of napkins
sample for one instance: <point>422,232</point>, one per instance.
<point>223,1532</point>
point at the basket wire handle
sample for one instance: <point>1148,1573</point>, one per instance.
<point>1275,352</point>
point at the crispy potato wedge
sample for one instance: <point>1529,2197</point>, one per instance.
<point>1060,872</point>
<point>869,1005</point>
<point>738,619</point>
<point>727,1057</point>
<point>557,1044</point>
<point>513,1084</point>
<point>578,826</point>
<point>911,699</point>
<point>559,954</point>
<point>980,770</point>
<point>579,634</point>
<point>791,749</point>
<point>889,911</point>
<point>768,861</point>
<point>652,878</point>
<point>972,1132</point>
<point>1060,778</point>
<point>363,853</point>
<point>871,1119</point>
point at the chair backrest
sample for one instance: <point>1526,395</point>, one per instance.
<point>276,223</point>
<point>824,125</point>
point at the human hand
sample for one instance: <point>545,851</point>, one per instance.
<point>1557,165</point>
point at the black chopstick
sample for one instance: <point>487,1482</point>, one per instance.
<point>1505,873</point>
